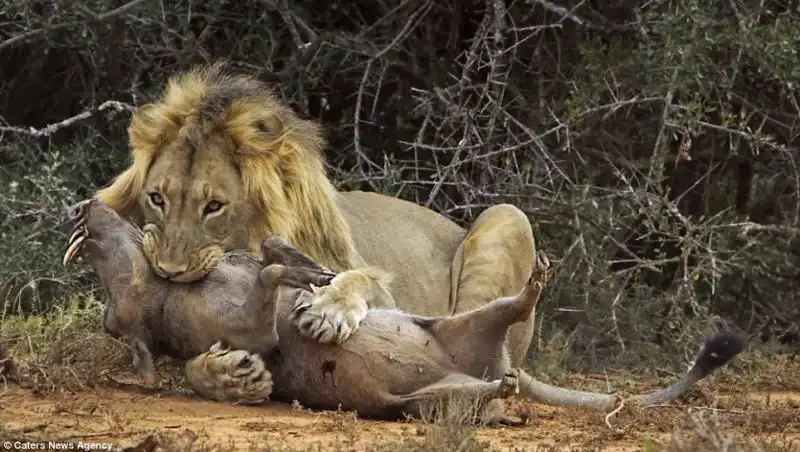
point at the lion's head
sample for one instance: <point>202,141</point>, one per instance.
<point>219,164</point>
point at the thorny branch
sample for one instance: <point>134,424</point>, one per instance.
<point>412,21</point>
<point>568,14</point>
<point>558,110</point>
<point>91,15</point>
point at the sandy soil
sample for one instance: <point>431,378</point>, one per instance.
<point>126,417</point>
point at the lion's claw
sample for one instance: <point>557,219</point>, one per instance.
<point>327,317</point>
<point>230,375</point>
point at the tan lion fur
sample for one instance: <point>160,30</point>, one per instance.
<point>278,154</point>
<point>394,364</point>
<point>214,134</point>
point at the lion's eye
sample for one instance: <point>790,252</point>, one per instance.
<point>212,206</point>
<point>157,199</point>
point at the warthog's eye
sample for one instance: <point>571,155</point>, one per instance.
<point>211,207</point>
<point>157,199</point>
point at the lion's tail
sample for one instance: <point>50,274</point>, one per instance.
<point>717,351</point>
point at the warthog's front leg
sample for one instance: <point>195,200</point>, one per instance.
<point>333,312</point>
<point>142,359</point>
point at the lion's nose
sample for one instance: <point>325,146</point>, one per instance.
<point>170,270</point>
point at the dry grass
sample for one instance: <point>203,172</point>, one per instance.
<point>65,351</point>
<point>706,432</point>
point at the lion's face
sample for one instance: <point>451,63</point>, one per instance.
<point>193,207</point>
<point>219,163</point>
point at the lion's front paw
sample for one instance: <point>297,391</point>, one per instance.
<point>229,375</point>
<point>328,315</point>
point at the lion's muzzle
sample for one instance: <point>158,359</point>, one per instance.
<point>171,265</point>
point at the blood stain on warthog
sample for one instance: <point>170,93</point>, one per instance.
<point>327,368</point>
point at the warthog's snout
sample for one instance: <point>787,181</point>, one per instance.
<point>90,217</point>
<point>77,214</point>
<point>77,211</point>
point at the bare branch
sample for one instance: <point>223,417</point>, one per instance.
<point>569,14</point>
<point>53,128</point>
<point>93,17</point>
<point>291,19</point>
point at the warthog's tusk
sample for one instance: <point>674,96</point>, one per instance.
<point>78,231</point>
<point>74,247</point>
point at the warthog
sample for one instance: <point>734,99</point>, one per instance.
<point>234,329</point>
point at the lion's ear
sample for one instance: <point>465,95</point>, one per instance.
<point>252,129</point>
<point>271,126</point>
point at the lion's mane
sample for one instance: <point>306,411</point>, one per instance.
<point>279,158</point>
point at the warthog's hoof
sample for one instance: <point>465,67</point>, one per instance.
<point>509,385</point>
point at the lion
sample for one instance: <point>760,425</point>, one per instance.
<point>233,328</point>
<point>219,163</point>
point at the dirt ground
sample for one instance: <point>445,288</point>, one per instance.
<point>72,385</point>
<point>132,419</point>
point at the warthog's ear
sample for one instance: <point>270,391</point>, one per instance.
<point>272,250</point>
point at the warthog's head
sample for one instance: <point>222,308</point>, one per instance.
<point>94,225</point>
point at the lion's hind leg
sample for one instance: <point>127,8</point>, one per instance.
<point>495,260</point>
<point>476,339</point>
<point>461,397</point>
<point>229,375</point>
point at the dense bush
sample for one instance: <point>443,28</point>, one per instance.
<point>653,144</point>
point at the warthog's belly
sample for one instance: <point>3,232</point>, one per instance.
<point>387,355</point>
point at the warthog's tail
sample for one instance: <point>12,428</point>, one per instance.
<point>718,349</point>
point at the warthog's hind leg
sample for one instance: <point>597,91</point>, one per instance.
<point>485,329</point>
<point>229,375</point>
<point>466,396</point>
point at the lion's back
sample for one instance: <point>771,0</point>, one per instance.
<point>415,244</point>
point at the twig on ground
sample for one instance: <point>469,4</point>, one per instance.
<point>614,412</point>
<point>694,407</point>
